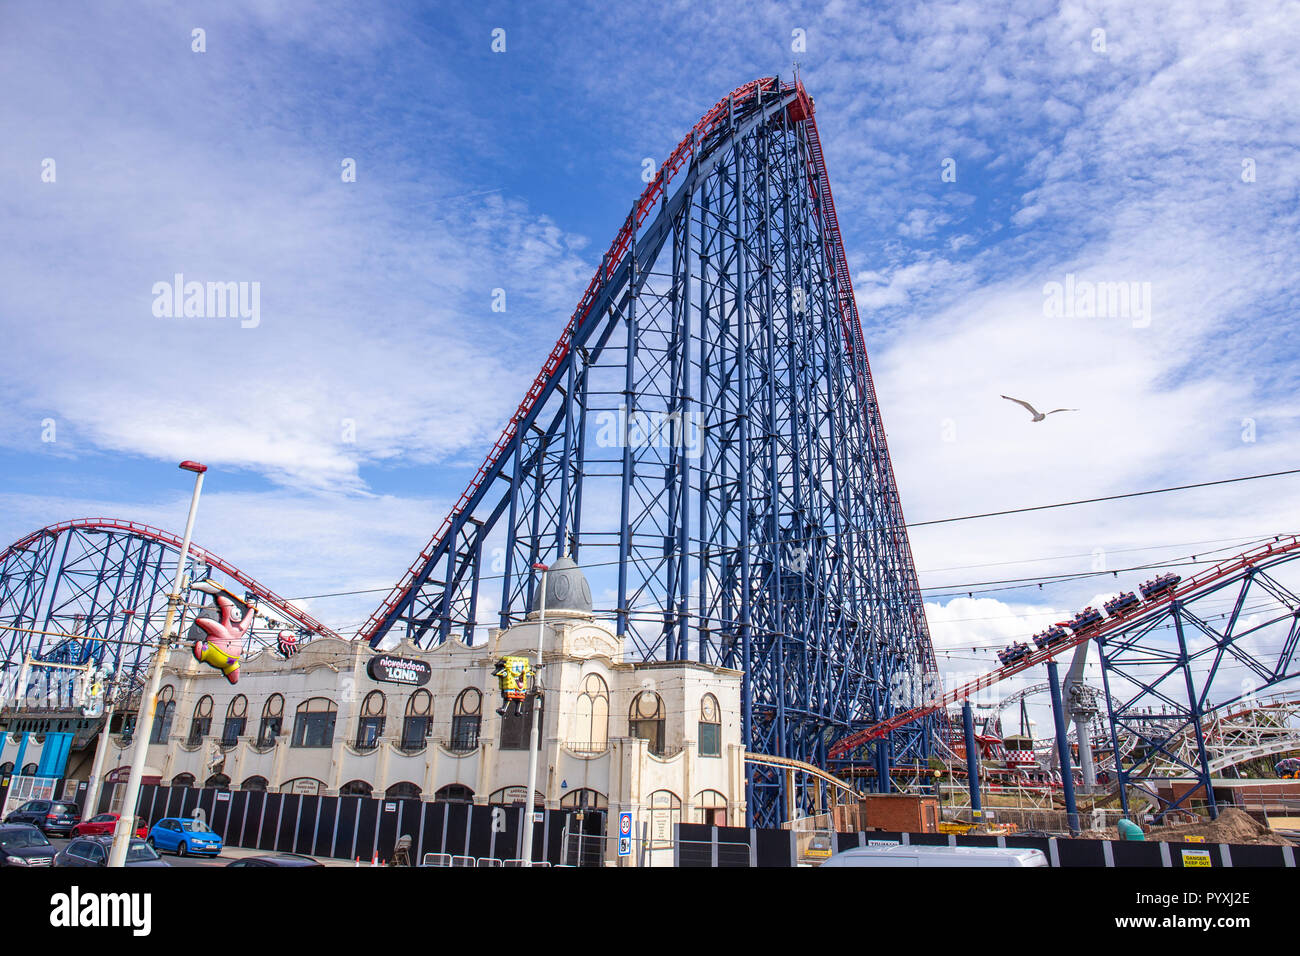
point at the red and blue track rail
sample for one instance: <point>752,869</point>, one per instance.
<point>1180,592</point>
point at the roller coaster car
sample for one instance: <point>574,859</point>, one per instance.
<point>1049,637</point>
<point>1086,618</point>
<point>1288,768</point>
<point>1014,653</point>
<point>1122,603</point>
<point>1159,585</point>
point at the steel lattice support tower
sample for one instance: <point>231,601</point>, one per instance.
<point>68,593</point>
<point>705,440</point>
<point>1171,671</point>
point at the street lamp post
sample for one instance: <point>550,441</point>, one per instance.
<point>532,735</point>
<point>125,828</point>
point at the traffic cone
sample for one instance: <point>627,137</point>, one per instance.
<point>374,860</point>
<point>358,863</point>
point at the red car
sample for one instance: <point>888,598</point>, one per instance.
<point>106,823</point>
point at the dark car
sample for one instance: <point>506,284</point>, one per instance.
<point>94,851</point>
<point>21,844</point>
<point>56,817</point>
<point>276,859</point>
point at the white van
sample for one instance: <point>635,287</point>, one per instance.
<point>937,856</point>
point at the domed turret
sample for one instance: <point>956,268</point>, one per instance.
<point>567,591</point>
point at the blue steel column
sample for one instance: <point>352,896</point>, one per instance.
<point>972,761</point>
<point>1194,706</point>
<point>1063,747</point>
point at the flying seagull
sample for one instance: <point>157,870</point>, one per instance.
<point>1038,416</point>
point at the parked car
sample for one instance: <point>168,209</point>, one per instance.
<point>927,856</point>
<point>21,844</point>
<point>183,836</point>
<point>56,817</point>
<point>94,851</point>
<point>106,824</point>
<point>276,859</point>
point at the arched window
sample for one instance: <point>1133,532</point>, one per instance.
<point>163,714</point>
<point>404,790</point>
<point>236,720</point>
<point>646,720</point>
<point>29,770</point>
<point>218,780</point>
<point>584,799</point>
<point>370,726</point>
<point>418,721</point>
<point>454,793</point>
<point>254,783</point>
<point>7,767</point>
<point>313,725</point>
<point>272,720</point>
<point>710,740</point>
<point>202,722</point>
<point>592,714</point>
<point>183,780</point>
<point>356,788</point>
<point>466,720</point>
<point>711,807</point>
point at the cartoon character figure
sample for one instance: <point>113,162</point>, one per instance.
<point>286,643</point>
<point>514,675</point>
<point>222,643</point>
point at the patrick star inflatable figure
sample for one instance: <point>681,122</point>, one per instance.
<point>222,643</point>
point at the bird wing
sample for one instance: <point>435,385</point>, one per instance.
<point>1055,410</point>
<point>1019,402</point>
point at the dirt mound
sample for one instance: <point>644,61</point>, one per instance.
<point>1233,826</point>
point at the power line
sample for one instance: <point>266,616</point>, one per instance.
<point>1088,501</point>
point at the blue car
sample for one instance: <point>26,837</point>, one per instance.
<point>183,836</point>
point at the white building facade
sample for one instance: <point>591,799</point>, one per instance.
<point>661,740</point>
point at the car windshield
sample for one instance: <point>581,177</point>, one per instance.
<point>16,839</point>
<point>194,826</point>
<point>140,851</point>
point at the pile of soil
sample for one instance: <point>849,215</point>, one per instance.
<point>1233,826</point>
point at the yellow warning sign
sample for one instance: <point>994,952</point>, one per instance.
<point>1196,858</point>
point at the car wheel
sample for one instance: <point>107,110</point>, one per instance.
<point>150,844</point>
<point>181,849</point>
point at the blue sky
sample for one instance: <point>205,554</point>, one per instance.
<point>1113,158</point>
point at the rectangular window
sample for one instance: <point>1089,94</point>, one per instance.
<point>269,730</point>
<point>464,733</point>
<point>414,730</point>
<point>199,729</point>
<point>162,724</point>
<point>369,731</point>
<point>710,740</point>
<point>517,721</point>
<point>314,730</point>
<point>230,732</point>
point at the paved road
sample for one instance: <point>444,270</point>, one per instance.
<point>174,860</point>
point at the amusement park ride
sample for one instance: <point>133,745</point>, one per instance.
<point>773,543</point>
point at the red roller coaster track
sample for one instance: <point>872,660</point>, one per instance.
<point>166,537</point>
<point>1282,545</point>
<point>801,110</point>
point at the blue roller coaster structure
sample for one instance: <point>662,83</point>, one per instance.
<point>704,439</point>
